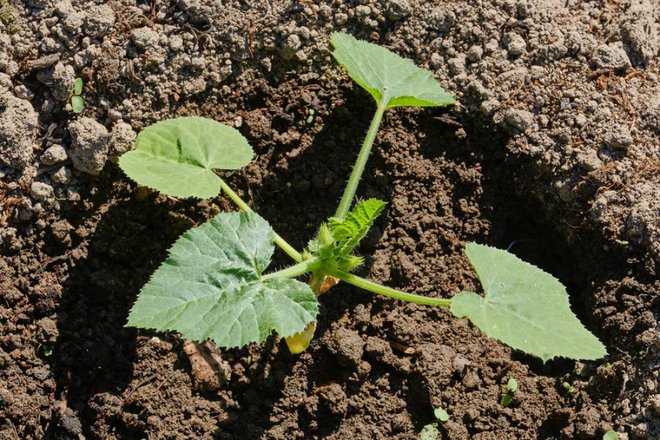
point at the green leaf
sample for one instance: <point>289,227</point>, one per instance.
<point>77,104</point>
<point>610,435</point>
<point>177,156</point>
<point>512,385</point>
<point>441,414</point>
<point>429,432</point>
<point>350,230</point>
<point>524,307</point>
<point>77,86</point>
<point>392,81</point>
<point>210,287</point>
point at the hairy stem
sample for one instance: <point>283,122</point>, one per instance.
<point>388,291</point>
<point>293,271</point>
<point>286,247</point>
<point>361,162</point>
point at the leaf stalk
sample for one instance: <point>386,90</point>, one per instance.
<point>282,243</point>
<point>361,162</point>
<point>293,271</point>
<point>388,291</point>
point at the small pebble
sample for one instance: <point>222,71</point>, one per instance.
<point>54,154</point>
<point>519,119</point>
<point>41,191</point>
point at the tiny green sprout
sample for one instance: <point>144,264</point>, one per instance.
<point>47,349</point>
<point>215,283</point>
<point>77,101</point>
<point>310,116</point>
<point>431,431</point>
<point>568,387</point>
<point>610,435</point>
<point>511,388</point>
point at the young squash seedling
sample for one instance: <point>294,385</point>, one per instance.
<point>214,284</point>
<point>568,387</point>
<point>511,388</point>
<point>77,101</point>
<point>431,431</point>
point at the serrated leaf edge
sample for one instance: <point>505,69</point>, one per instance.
<point>169,329</point>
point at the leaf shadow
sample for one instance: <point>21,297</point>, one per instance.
<point>122,242</point>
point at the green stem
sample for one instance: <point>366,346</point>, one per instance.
<point>360,163</point>
<point>286,247</point>
<point>293,271</point>
<point>388,291</point>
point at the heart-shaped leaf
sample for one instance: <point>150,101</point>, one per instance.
<point>210,287</point>
<point>524,307</point>
<point>393,81</point>
<point>177,156</point>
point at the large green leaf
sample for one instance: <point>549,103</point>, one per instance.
<point>210,287</point>
<point>350,230</point>
<point>524,307</point>
<point>177,156</point>
<point>393,81</point>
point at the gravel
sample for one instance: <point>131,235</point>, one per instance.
<point>123,138</point>
<point>41,191</point>
<point>53,154</point>
<point>89,145</point>
<point>18,130</point>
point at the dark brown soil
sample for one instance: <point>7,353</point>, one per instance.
<point>377,368</point>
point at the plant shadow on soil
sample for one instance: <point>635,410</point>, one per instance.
<point>96,353</point>
<point>307,192</point>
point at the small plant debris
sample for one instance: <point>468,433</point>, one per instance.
<point>8,16</point>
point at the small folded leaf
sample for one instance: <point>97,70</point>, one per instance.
<point>299,342</point>
<point>393,81</point>
<point>177,156</point>
<point>524,307</point>
<point>210,287</point>
<point>350,230</point>
<point>77,104</point>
